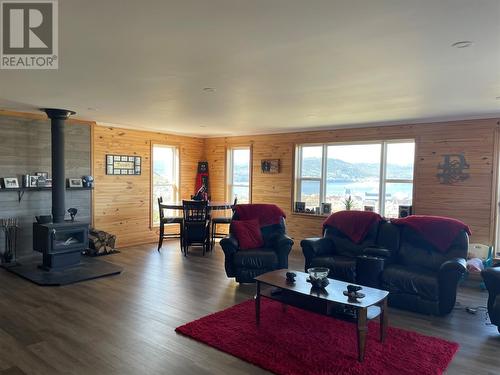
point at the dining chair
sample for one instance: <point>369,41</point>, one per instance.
<point>196,225</point>
<point>166,221</point>
<point>222,220</point>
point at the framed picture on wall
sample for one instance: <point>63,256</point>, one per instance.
<point>123,165</point>
<point>10,183</point>
<point>270,166</point>
<point>33,181</point>
<point>75,183</point>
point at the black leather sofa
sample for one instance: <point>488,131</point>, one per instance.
<point>395,258</point>
<point>246,264</point>
<point>491,277</point>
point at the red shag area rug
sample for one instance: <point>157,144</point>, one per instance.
<point>296,342</point>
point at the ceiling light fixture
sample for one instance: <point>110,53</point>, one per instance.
<point>208,89</point>
<point>462,44</point>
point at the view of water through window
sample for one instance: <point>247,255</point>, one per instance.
<point>355,170</point>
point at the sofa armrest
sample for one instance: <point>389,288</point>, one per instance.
<point>377,252</point>
<point>229,246</point>
<point>316,246</point>
<point>449,275</point>
<point>491,277</point>
<point>282,245</point>
<point>457,265</point>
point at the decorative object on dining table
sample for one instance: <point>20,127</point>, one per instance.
<point>318,276</point>
<point>353,293</point>
<point>290,277</point>
<point>326,208</point>
<point>72,213</point>
<point>123,165</point>
<point>10,183</point>
<point>201,194</point>
<point>10,227</point>
<point>270,166</point>
<point>75,183</point>
<point>88,181</point>
<point>300,206</point>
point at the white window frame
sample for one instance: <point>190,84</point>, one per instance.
<point>174,185</point>
<point>229,183</point>
<point>383,180</point>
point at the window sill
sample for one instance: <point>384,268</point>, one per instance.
<point>322,216</point>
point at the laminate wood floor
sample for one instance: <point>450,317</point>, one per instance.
<point>125,324</point>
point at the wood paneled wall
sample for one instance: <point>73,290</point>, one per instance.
<point>122,204</point>
<point>473,200</point>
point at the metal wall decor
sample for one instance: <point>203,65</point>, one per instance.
<point>452,169</point>
<point>123,165</point>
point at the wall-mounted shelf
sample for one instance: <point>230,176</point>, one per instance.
<point>21,191</point>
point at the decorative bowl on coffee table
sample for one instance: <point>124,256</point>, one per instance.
<point>318,276</point>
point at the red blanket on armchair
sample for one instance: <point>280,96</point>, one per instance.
<point>439,231</point>
<point>354,224</point>
<point>267,214</point>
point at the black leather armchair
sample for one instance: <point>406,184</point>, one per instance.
<point>491,277</point>
<point>245,265</point>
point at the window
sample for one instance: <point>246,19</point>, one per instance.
<point>377,176</point>
<point>239,167</point>
<point>165,177</point>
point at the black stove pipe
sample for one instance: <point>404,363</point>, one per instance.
<point>57,117</point>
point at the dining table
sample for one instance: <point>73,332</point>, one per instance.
<point>211,206</point>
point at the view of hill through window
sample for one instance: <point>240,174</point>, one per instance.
<point>355,170</point>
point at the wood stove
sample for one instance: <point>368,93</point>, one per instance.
<point>60,241</point>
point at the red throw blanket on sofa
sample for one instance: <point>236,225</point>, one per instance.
<point>354,224</point>
<point>439,231</point>
<point>267,214</point>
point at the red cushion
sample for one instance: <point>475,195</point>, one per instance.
<point>247,233</point>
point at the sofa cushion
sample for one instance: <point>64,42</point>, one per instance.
<point>248,233</point>
<point>341,267</point>
<point>256,258</point>
<point>411,280</point>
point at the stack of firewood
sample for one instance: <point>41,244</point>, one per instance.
<point>101,242</point>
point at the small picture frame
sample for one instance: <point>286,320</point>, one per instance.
<point>270,165</point>
<point>44,175</point>
<point>300,206</point>
<point>326,208</point>
<point>33,181</point>
<point>75,183</point>
<point>10,183</point>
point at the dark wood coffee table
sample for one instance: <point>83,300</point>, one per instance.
<point>301,294</point>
